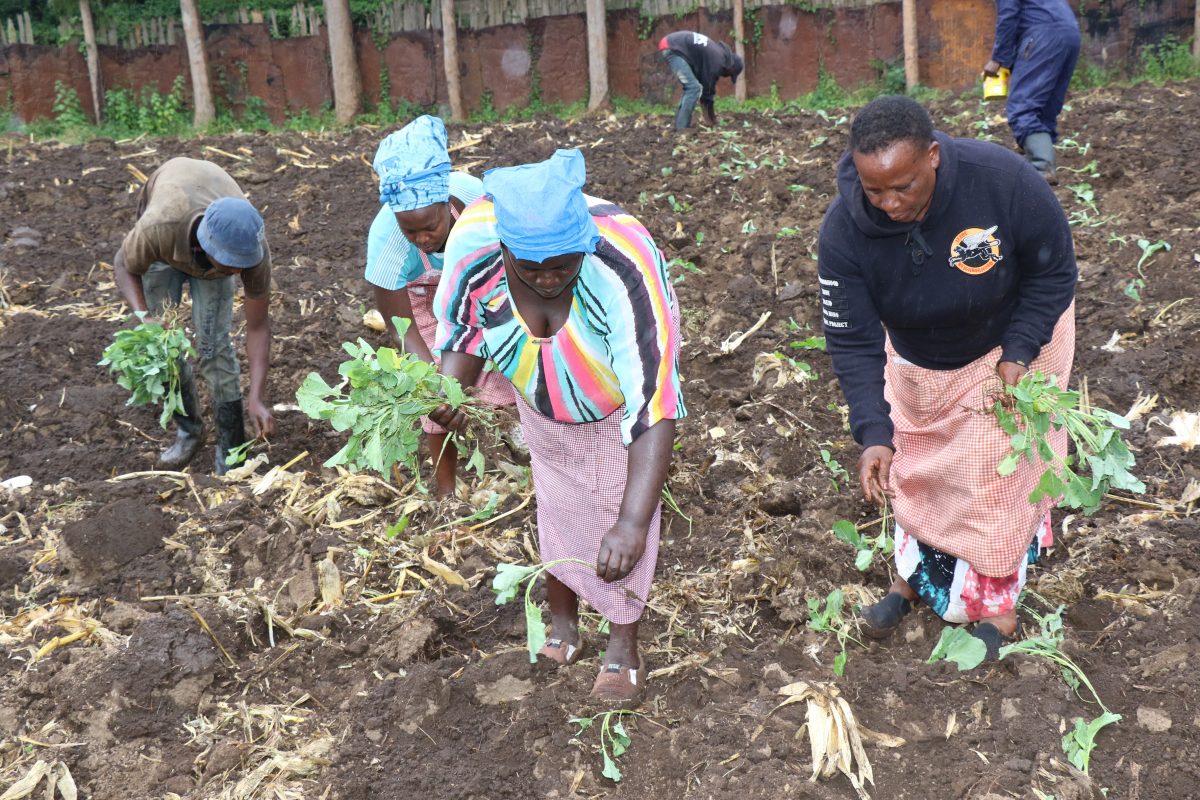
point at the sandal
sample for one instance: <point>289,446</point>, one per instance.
<point>560,652</point>
<point>620,684</point>
<point>884,617</point>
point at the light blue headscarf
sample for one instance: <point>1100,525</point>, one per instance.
<point>540,208</point>
<point>413,165</point>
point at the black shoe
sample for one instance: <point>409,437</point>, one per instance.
<point>189,426</point>
<point>884,617</point>
<point>993,639</point>
<point>231,431</point>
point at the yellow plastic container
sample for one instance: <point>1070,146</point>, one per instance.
<point>996,88</point>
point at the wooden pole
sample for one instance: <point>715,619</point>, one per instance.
<point>450,60</point>
<point>739,46</point>
<point>93,58</point>
<point>597,38</point>
<point>912,71</point>
<point>1196,33</point>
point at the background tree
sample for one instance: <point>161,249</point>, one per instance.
<point>193,34</point>
<point>347,84</point>
<point>93,59</point>
<point>450,60</point>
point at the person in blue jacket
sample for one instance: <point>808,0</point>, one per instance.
<point>1038,40</point>
<point>698,62</point>
<point>946,271</point>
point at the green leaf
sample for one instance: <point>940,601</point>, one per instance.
<point>862,561</point>
<point>845,530</point>
<point>535,631</point>
<point>839,664</point>
<point>508,578</point>
<point>610,770</point>
<point>583,722</point>
<point>1079,742</point>
<point>620,739</point>
<point>1008,464</point>
<point>959,646</point>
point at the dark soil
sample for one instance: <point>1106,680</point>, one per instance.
<point>211,650</point>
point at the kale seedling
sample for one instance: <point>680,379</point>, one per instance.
<point>381,399</point>
<point>836,470</point>
<point>1030,409</point>
<point>825,616</point>
<point>509,578</point>
<point>1079,743</point>
<point>147,362</point>
<point>614,739</point>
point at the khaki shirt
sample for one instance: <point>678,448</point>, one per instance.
<point>170,206</point>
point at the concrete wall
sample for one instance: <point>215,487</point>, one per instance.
<point>547,56</point>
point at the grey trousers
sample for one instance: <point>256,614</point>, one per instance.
<point>212,319</point>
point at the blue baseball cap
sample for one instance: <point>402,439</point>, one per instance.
<point>232,233</point>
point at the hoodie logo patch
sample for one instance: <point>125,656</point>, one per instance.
<point>975,250</point>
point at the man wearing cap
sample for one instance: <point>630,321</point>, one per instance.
<point>421,200</point>
<point>196,227</point>
<point>698,62</point>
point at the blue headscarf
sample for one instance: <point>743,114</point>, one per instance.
<point>540,208</point>
<point>413,165</point>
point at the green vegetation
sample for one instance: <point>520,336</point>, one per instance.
<point>147,362</point>
<point>826,616</point>
<point>614,739</point>
<point>381,399</point>
<point>866,547</point>
<point>509,578</point>
<point>1028,411</point>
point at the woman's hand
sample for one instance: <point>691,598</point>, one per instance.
<point>1011,372</point>
<point>874,471</point>
<point>450,418</point>
<point>620,550</point>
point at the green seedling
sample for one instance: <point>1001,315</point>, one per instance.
<point>836,470</point>
<point>784,233</point>
<point>867,547</point>
<point>668,500</point>
<point>1079,743</point>
<point>509,578</point>
<point>678,206</point>
<point>799,187</point>
<point>147,361</point>
<point>666,171</point>
<point>699,237</point>
<point>1148,250</point>
<point>381,399</point>
<point>1073,144</point>
<point>1091,169</point>
<point>614,739</point>
<point>1113,236</point>
<point>811,343</point>
<point>684,268</point>
<point>749,227</point>
<point>826,617</point>
<point>1030,409</point>
<point>238,454</point>
<point>1133,289</point>
<point>1085,195</point>
<point>958,645</point>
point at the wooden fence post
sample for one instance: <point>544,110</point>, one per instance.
<point>597,39</point>
<point>912,71</point>
<point>450,60</point>
<point>739,47</point>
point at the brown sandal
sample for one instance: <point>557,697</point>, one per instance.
<point>620,684</point>
<point>560,652</point>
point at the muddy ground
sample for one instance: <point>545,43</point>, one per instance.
<point>208,663</point>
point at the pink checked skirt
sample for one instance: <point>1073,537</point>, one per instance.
<point>947,492</point>
<point>491,388</point>
<point>579,473</point>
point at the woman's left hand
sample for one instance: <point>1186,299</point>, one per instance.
<point>620,550</point>
<point>1010,372</point>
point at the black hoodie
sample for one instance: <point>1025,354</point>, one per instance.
<point>709,59</point>
<point>992,264</point>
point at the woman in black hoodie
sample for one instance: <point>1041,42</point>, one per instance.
<point>946,269</point>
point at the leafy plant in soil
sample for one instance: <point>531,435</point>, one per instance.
<point>509,578</point>
<point>825,616</point>
<point>836,470</point>
<point>1079,743</point>
<point>868,547</point>
<point>381,400</point>
<point>614,739</point>
<point>1027,413</point>
<point>147,362</point>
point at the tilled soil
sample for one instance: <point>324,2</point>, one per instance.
<point>213,665</point>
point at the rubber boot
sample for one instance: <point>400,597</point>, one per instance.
<point>231,431</point>
<point>1039,150</point>
<point>189,427</point>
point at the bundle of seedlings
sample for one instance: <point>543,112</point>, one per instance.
<point>1035,405</point>
<point>381,399</point>
<point>147,360</point>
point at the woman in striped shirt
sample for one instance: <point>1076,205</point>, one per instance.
<point>569,297</point>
